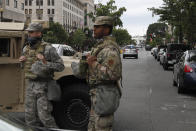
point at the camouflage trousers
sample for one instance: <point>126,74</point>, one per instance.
<point>97,122</point>
<point>37,107</point>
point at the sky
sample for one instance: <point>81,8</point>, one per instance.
<point>137,17</point>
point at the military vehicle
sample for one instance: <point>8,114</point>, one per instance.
<point>72,112</point>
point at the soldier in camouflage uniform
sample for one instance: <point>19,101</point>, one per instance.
<point>40,62</point>
<point>104,72</point>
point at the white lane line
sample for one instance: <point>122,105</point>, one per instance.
<point>150,91</point>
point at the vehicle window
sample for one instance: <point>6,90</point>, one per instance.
<point>183,57</point>
<point>192,57</point>
<point>177,47</point>
<point>5,48</point>
<point>68,52</point>
<point>130,47</point>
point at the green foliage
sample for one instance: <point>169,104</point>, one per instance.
<point>109,10</point>
<point>158,32</point>
<point>180,14</point>
<point>55,34</point>
<point>77,39</point>
<point>122,36</point>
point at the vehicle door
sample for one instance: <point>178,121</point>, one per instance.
<point>180,66</point>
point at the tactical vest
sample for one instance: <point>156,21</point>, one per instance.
<point>107,42</point>
<point>31,58</point>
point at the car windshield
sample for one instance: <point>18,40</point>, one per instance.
<point>130,47</point>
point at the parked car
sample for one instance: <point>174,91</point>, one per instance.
<point>170,55</point>
<point>130,51</point>
<point>155,53</point>
<point>162,56</point>
<point>148,47</point>
<point>184,73</point>
<point>152,51</point>
<point>160,48</point>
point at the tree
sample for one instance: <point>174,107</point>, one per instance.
<point>55,34</point>
<point>122,36</point>
<point>181,15</point>
<point>77,39</point>
<point>156,32</point>
<point>109,10</point>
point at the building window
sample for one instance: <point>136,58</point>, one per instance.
<point>30,11</point>
<point>7,2</point>
<point>53,2</point>
<point>48,2</point>
<point>39,2</point>
<point>53,11</point>
<point>26,11</point>
<point>30,2</point>
<point>50,18</point>
<point>15,4</point>
<point>48,11</point>
<point>26,2</point>
<point>22,6</point>
<point>39,11</point>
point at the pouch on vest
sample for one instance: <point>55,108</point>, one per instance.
<point>54,91</point>
<point>78,70</point>
<point>107,100</point>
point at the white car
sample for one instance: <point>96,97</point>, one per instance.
<point>153,51</point>
<point>130,51</point>
<point>64,50</point>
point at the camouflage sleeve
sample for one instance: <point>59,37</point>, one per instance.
<point>55,62</point>
<point>109,66</point>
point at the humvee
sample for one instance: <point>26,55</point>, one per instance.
<point>72,112</point>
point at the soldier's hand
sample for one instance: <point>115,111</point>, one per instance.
<point>42,58</point>
<point>22,59</point>
<point>91,60</point>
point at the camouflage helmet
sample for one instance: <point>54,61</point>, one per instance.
<point>35,27</point>
<point>104,20</point>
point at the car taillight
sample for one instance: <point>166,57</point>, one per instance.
<point>188,69</point>
<point>168,55</point>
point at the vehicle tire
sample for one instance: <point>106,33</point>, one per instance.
<point>73,111</point>
<point>174,82</point>
<point>136,57</point>
<point>165,67</point>
<point>180,87</point>
<point>123,57</point>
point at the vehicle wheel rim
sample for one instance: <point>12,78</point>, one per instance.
<point>77,118</point>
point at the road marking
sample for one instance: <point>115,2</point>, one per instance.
<point>184,105</point>
<point>150,91</point>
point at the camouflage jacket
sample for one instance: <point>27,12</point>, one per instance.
<point>108,67</point>
<point>37,67</point>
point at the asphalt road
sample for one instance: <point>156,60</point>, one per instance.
<point>150,102</point>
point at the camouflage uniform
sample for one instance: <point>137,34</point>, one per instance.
<point>106,71</point>
<point>37,106</point>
